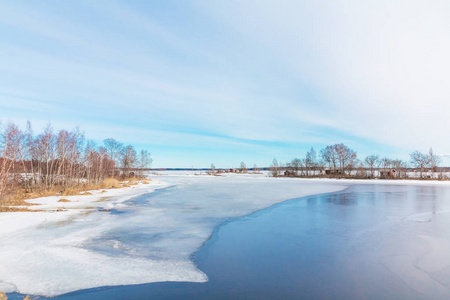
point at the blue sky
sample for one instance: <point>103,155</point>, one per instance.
<point>201,82</point>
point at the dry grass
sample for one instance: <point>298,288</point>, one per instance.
<point>131,179</point>
<point>127,182</point>
<point>16,201</point>
<point>10,201</point>
<point>110,183</point>
<point>77,190</point>
<point>14,209</point>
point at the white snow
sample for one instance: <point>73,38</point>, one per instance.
<point>147,239</point>
<point>51,253</point>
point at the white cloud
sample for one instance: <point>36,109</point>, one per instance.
<point>381,66</point>
<point>292,71</point>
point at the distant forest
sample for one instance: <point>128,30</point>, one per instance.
<point>340,161</point>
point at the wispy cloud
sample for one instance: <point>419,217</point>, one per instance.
<point>233,75</point>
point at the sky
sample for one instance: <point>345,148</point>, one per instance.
<point>201,82</point>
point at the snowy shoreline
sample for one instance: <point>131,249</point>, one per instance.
<point>51,213</point>
<point>53,252</point>
<point>427,182</point>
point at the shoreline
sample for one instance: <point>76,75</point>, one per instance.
<point>410,180</point>
<point>50,213</point>
<point>376,181</point>
<point>86,200</point>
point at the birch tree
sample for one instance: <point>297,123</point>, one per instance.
<point>274,168</point>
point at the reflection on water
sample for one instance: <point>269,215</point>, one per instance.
<point>366,242</point>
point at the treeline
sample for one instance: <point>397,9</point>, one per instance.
<point>61,159</point>
<point>341,161</point>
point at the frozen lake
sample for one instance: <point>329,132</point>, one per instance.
<point>369,241</point>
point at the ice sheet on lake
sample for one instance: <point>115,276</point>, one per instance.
<point>421,261</point>
<point>148,239</point>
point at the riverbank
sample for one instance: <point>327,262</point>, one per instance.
<point>56,208</point>
<point>51,212</point>
<point>23,200</point>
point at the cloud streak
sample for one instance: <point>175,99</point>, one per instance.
<point>233,75</point>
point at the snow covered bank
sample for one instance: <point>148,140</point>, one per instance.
<point>146,239</point>
<point>34,248</point>
<point>381,181</point>
<point>417,182</point>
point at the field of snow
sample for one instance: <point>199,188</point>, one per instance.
<point>107,239</point>
<point>141,234</point>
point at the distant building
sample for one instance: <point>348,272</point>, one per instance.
<point>387,174</point>
<point>332,172</point>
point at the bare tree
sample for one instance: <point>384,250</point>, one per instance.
<point>329,157</point>
<point>372,162</point>
<point>128,159</point>
<point>57,160</point>
<point>30,154</point>
<point>400,168</point>
<point>420,161</point>
<point>295,166</point>
<point>346,157</point>
<point>243,168</point>
<point>360,171</point>
<point>320,166</point>
<point>434,160</point>
<point>114,149</point>
<point>144,161</point>
<point>45,146</point>
<point>385,163</point>
<point>7,156</point>
<point>311,160</point>
<point>275,168</point>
